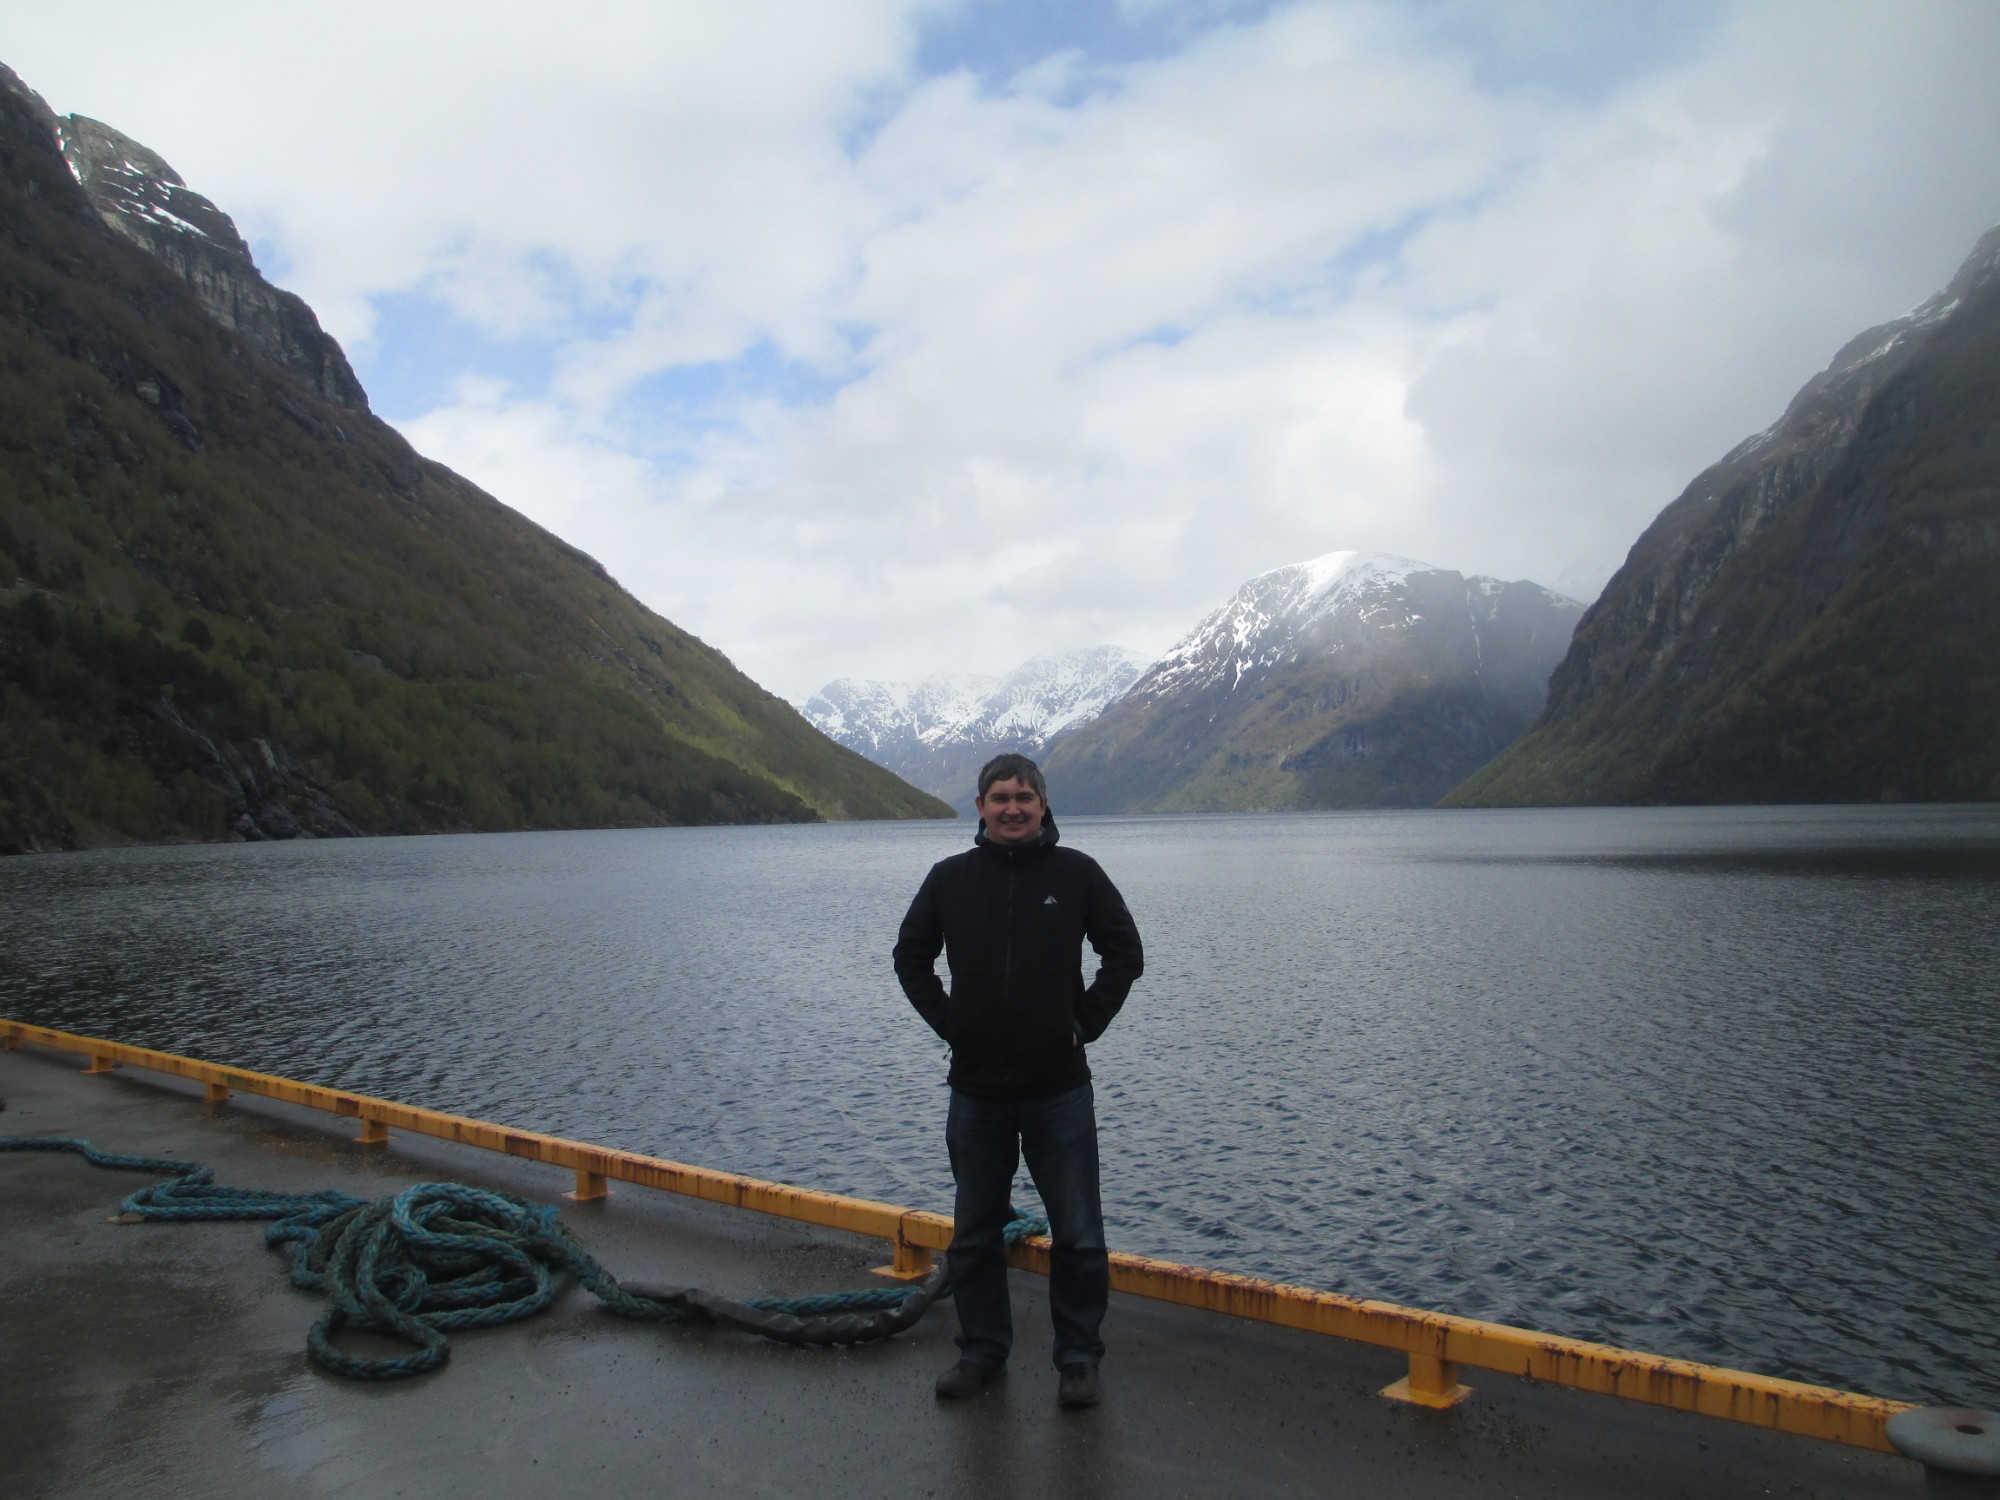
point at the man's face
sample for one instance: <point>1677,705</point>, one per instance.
<point>1012,810</point>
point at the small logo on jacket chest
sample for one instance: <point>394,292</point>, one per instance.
<point>1048,901</point>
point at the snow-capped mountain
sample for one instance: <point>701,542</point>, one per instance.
<point>1291,613</point>
<point>936,733</point>
<point>1270,619</point>
<point>1356,678</point>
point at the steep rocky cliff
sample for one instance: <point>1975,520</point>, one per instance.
<point>1817,617</point>
<point>142,198</point>
<point>1352,680</point>
<point>235,605</point>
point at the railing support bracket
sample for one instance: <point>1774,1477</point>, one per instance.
<point>591,1187</point>
<point>1432,1382</point>
<point>911,1263</point>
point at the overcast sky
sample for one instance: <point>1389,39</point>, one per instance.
<point>874,338</point>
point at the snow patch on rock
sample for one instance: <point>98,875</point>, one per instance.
<point>1265,624</point>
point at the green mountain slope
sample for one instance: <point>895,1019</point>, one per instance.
<point>232,606</point>
<point>1817,618</point>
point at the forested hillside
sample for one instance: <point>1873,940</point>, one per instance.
<point>235,605</point>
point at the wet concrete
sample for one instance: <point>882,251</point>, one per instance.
<point>166,1358</point>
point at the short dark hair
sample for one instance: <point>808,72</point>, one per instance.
<point>1012,767</point>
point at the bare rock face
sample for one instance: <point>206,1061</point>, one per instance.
<point>143,199</point>
<point>1817,617</point>
<point>267,791</point>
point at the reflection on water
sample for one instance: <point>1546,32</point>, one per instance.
<point>1722,1083</point>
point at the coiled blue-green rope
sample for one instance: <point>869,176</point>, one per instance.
<point>441,1256</point>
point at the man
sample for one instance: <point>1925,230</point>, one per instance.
<point>1011,915</point>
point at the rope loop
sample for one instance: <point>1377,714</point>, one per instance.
<point>442,1256</point>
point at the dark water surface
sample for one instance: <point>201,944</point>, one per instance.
<point>1719,1083</point>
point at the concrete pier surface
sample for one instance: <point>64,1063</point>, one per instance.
<point>168,1359</point>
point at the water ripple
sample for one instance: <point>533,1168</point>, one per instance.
<point>1720,1083</point>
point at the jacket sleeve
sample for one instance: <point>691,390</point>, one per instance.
<point>1121,959</point>
<point>918,944</point>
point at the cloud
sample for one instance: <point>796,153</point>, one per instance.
<point>886,339</point>
<point>1667,269</point>
<point>467,148</point>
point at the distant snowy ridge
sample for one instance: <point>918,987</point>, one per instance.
<point>932,732</point>
<point>1270,620</point>
<point>1029,706</point>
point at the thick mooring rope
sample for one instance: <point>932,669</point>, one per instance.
<point>442,1256</point>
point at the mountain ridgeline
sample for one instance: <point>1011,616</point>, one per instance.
<point>937,733</point>
<point>1817,617</point>
<point>234,604</point>
<point>1352,680</point>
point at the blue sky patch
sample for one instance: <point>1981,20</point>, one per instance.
<point>685,401</point>
<point>422,348</point>
<point>996,39</point>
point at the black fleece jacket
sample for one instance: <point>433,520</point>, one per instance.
<point>1012,921</point>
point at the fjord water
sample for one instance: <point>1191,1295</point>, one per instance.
<point>1721,1083</point>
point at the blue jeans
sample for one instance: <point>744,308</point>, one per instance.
<point>1058,1135</point>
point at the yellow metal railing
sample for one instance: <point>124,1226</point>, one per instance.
<point>1436,1343</point>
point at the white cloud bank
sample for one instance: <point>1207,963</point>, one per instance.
<point>855,368</point>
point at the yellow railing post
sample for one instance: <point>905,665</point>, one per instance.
<point>215,1093</point>
<point>373,1132</point>
<point>1432,1382</point>
<point>100,1063</point>
<point>590,1187</point>
<point>911,1261</point>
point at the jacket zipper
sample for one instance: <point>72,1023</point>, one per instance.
<point>1007,962</point>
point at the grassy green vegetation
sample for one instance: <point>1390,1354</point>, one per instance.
<point>223,597</point>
